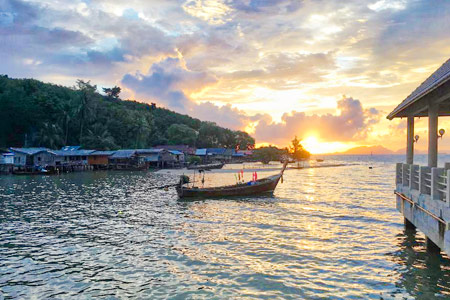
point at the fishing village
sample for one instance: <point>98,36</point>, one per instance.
<point>245,149</point>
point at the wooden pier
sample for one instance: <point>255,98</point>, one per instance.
<point>423,192</point>
<point>423,197</point>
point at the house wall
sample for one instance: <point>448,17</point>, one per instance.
<point>20,159</point>
<point>6,159</point>
<point>98,160</point>
<point>43,159</point>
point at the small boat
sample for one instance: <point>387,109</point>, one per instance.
<point>259,186</point>
<point>319,160</point>
<point>206,166</point>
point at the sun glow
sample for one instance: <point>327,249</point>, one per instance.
<point>315,146</point>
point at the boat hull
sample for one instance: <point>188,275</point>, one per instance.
<point>206,167</point>
<point>264,186</point>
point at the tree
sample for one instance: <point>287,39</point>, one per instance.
<point>180,134</point>
<point>297,150</point>
<point>87,92</point>
<point>112,93</point>
<point>33,113</point>
<point>98,137</point>
<point>50,136</point>
<point>269,153</point>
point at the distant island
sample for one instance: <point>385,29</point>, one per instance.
<point>373,150</point>
<point>38,114</point>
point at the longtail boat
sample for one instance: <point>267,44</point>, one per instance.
<point>259,186</point>
<point>206,166</point>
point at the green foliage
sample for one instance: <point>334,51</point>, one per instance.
<point>194,159</point>
<point>180,134</point>
<point>33,113</point>
<point>269,153</point>
<point>297,150</point>
<point>112,93</point>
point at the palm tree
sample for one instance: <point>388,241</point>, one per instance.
<point>87,92</point>
<point>99,137</point>
<point>50,136</point>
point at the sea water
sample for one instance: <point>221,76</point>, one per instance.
<point>326,233</point>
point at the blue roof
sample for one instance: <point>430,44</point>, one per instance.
<point>175,152</point>
<point>73,152</point>
<point>216,151</point>
<point>436,79</point>
<point>70,148</point>
<point>124,153</point>
<point>148,151</point>
<point>30,151</point>
<point>200,152</point>
<point>102,153</point>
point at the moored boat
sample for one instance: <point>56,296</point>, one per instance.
<point>260,186</point>
<point>206,166</point>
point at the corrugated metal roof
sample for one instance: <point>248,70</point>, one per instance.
<point>148,151</point>
<point>216,151</point>
<point>123,154</point>
<point>200,152</point>
<point>73,152</point>
<point>103,153</point>
<point>30,151</point>
<point>440,76</point>
<point>175,152</point>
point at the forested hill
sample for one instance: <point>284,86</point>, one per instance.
<point>33,113</point>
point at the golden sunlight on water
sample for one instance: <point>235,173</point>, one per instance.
<point>326,233</point>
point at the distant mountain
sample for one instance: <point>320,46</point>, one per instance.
<point>367,150</point>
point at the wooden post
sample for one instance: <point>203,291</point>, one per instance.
<point>447,188</point>
<point>434,183</point>
<point>411,177</point>
<point>398,173</point>
<point>422,187</point>
<point>405,180</point>
<point>432,135</point>
<point>410,141</point>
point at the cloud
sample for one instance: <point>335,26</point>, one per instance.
<point>167,82</point>
<point>352,122</point>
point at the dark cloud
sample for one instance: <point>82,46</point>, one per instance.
<point>166,81</point>
<point>165,84</point>
<point>33,31</point>
<point>351,123</point>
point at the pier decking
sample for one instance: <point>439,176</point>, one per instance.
<point>423,192</point>
<point>423,197</point>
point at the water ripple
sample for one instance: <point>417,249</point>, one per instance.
<point>327,233</point>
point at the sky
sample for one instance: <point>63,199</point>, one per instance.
<point>327,72</point>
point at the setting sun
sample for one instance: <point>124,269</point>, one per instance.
<point>315,146</point>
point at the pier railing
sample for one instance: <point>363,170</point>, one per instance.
<point>434,182</point>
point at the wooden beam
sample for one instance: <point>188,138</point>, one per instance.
<point>410,141</point>
<point>432,135</point>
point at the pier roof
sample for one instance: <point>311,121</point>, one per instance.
<point>435,89</point>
